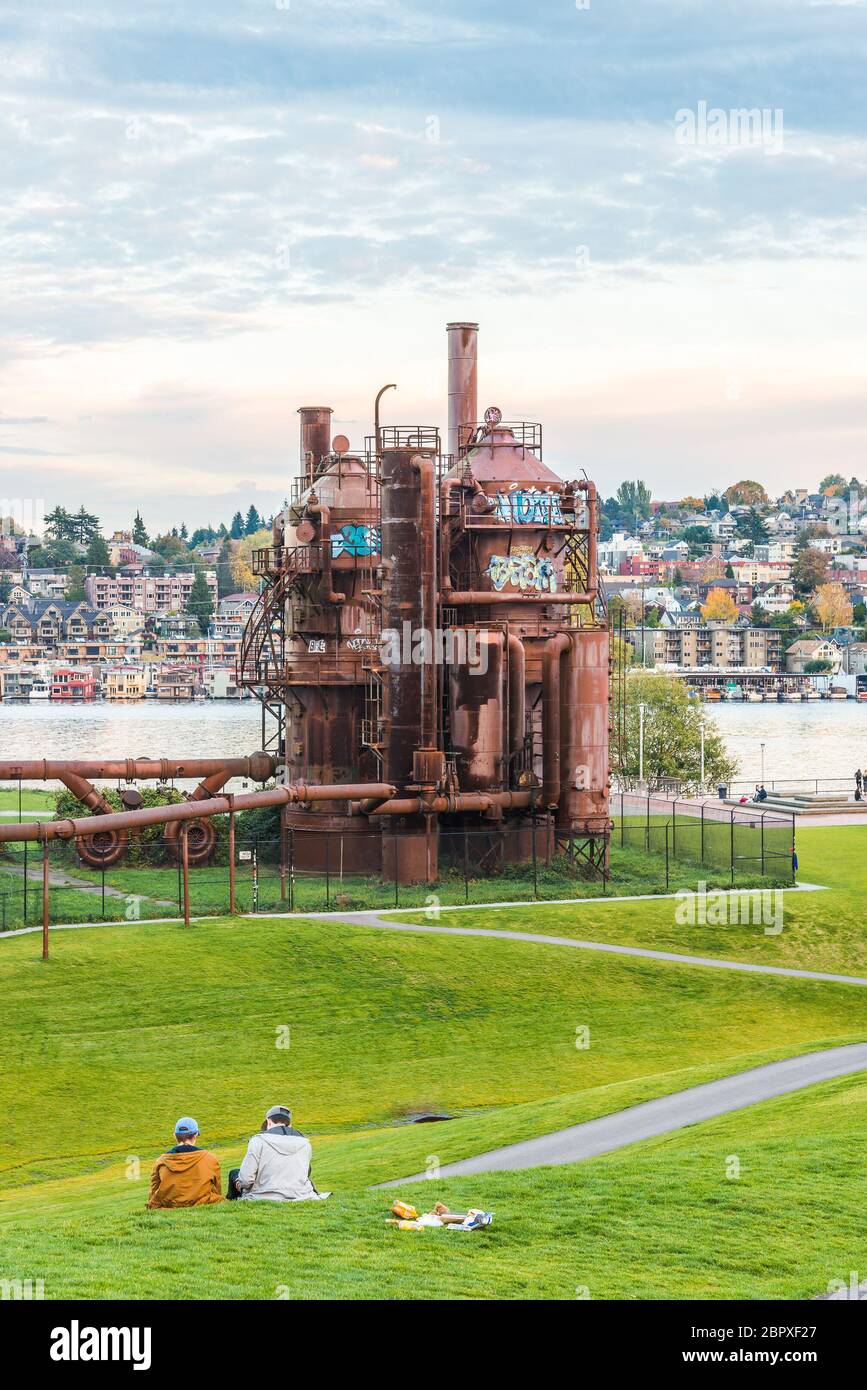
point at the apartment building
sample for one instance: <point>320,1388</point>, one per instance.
<point>157,593</point>
<point>713,644</point>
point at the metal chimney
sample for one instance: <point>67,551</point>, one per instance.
<point>315,432</point>
<point>463,379</point>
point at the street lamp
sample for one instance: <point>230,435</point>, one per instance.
<point>641,709</point>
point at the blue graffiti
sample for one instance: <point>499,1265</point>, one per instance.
<point>521,508</point>
<point>355,539</point>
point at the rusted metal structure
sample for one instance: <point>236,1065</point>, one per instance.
<point>430,649</point>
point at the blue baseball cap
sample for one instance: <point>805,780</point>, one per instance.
<point>186,1126</point>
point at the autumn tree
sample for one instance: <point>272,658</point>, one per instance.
<point>719,607</point>
<point>810,569</point>
<point>746,493</point>
<point>832,606</point>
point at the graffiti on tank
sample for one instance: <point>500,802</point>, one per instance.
<point>355,539</point>
<point>524,570</point>
<point>525,507</point>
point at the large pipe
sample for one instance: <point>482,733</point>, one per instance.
<point>100,850</point>
<point>463,341</point>
<point>551,720</point>
<point>517,696</point>
<point>424,466</point>
<point>585,485</point>
<point>258,767</point>
<point>317,508</point>
<point>463,801</point>
<point>206,839</point>
<point>465,597</point>
<point>296,792</point>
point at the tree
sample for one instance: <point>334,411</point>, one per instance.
<point>634,500</point>
<point>139,533</point>
<point>697,538</point>
<point>199,603</point>
<point>746,493</point>
<point>810,569</point>
<point>236,530</point>
<point>831,606</point>
<point>85,526</point>
<point>184,533</point>
<point>751,526</point>
<point>833,485</point>
<point>673,727</point>
<point>98,557</point>
<point>5,589</point>
<point>241,560</point>
<point>719,607</point>
<point>59,525</point>
<point>75,583</point>
<point>225,578</point>
<point>253,523</point>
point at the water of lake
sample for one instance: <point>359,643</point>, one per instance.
<point>820,739</point>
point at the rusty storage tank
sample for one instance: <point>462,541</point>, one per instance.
<point>319,652</point>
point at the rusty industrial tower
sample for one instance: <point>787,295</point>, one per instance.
<point>432,625</point>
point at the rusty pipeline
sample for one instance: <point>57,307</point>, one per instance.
<point>316,508</point>
<point>298,793</point>
<point>258,767</point>
<point>200,835</point>
<point>551,722</point>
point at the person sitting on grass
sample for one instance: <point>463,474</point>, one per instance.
<point>276,1166</point>
<point>185,1176</point>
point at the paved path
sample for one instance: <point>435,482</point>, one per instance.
<point>662,1116</point>
<point>372,919</point>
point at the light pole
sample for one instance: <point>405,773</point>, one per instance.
<point>641,709</point>
<point>702,757</point>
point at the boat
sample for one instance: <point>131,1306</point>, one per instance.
<point>734,692</point>
<point>754,697</point>
<point>811,694</point>
<point>837,693</point>
<point>713,694</point>
<point>792,696</point>
<point>40,689</point>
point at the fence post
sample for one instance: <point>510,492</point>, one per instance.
<point>622,820</point>
<point>328,871</point>
<point>25,883</point>
<point>45,897</point>
<point>283,854</point>
<point>535,860</point>
<point>647,829</point>
<point>231,800</point>
<point>702,832</point>
<point>180,885</point>
<point>674,828</point>
<point>467,865</point>
<point>763,843</point>
<point>666,859</point>
<point>102,882</point>
<point>732,844</point>
<point>185,863</point>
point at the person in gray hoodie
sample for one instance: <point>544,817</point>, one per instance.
<point>276,1166</point>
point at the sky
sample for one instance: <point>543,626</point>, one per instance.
<point>212,214</point>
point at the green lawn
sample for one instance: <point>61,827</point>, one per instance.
<point>127,1028</point>
<point>820,931</point>
<point>31,799</point>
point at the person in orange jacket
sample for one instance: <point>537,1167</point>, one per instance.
<point>185,1176</point>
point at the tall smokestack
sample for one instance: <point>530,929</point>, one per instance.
<point>315,432</point>
<point>463,378</point>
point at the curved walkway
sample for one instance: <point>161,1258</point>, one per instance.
<point>662,1116</point>
<point>372,919</point>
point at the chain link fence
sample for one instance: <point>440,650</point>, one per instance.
<point>657,845</point>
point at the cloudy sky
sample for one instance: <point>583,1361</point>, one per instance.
<point>214,213</point>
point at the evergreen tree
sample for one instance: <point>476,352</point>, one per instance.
<point>139,534</point>
<point>236,530</point>
<point>85,526</point>
<point>200,605</point>
<point>253,522</point>
<point>98,557</point>
<point>59,525</point>
<point>225,578</point>
<point>184,533</point>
